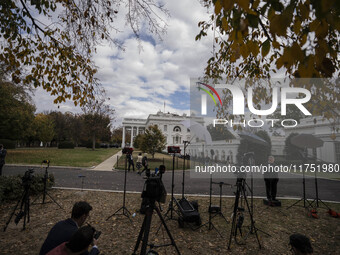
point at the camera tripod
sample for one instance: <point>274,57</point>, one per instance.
<point>145,230</point>
<point>238,218</point>
<point>24,202</point>
<point>125,212</point>
<point>45,193</point>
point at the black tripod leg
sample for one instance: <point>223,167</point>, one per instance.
<point>167,230</point>
<point>12,214</point>
<point>252,219</point>
<point>147,225</point>
<point>114,213</point>
<point>53,200</point>
<point>140,235</point>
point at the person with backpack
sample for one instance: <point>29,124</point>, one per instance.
<point>139,162</point>
<point>145,163</point>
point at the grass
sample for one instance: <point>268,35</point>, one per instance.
<point>78,157</point>
<point>119,235</point>
<point>159,159</point>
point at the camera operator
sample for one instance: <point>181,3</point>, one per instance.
<point>3,153</point>
<point>63,230</point>
<point>78,243</point>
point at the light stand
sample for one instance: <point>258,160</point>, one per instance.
<point>125,212</point>
<point>250,160</point>
<point>186,143</point>
<point>304,161</point>
<point>45,186</point>
<point>171,204</point>
<point>317,199</point>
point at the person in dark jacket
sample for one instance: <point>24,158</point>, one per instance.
<point>78,244</point>
<point>130,161</point>
<point>3,153</point>
<point>271,179</point>
<point>300,244</point>
<point>63,230</point>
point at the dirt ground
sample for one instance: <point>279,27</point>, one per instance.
<point>119,235</point>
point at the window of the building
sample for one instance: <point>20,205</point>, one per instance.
<point>337,152</point>
<point>177,129</point>
<point>177,139</point>
<point>165,128</point>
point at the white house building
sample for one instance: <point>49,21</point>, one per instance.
<point>175,132</point>
<point>168,123</point>
<point>325,130</point>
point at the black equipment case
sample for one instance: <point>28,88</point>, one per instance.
<point>188,212</point>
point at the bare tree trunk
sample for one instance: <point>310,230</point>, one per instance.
<point>93,142</point>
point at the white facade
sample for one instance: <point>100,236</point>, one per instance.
<point>176,133</point>
<point>168,123</point>
<point>325,130</point>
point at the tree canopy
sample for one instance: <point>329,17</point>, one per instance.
<point>257,38</point>
<point>152,140</point>
<point>16,111</point>
<point>55,40</point>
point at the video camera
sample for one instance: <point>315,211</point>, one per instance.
<point>28,177</point>
<point>127,150</point>
<point>154,189</point>
<point>174,149</point>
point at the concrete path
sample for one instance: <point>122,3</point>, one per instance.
<point>109,164</point>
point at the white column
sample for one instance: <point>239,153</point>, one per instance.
<point>123,139</point>
<point>137,131</point>
<point>131,144</point>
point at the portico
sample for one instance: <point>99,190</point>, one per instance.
<point>135,127</point>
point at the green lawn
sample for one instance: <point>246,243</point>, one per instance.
<point>78,157</point>
<point>159,159</point>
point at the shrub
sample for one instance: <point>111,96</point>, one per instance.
<point>66,145</point>
<point>11,187</point>
<point>8,144</point>
<point>89,145</point>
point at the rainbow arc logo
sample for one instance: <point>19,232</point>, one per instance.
<point>208,92</point>
<point>204,96</point>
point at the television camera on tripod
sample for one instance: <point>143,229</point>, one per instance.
<point>153,191</point>
<point>24,201</point>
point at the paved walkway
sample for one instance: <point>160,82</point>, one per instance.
<point>109,164</point>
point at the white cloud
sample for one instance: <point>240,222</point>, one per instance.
<point>138,82</point>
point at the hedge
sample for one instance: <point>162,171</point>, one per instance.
<point>8,144</point>
<point>11,187</point>
<point>66,145</point>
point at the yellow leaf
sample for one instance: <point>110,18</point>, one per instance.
<point>225,24</point>
<point>314,25</point>
<point>297,26</point>
<point>276,45</point>
<point>244,4</point>
<point>296,52</point>
<point>265,48</point>
<point>304,11</point>
<point>227,4</point>
<point>244,51</point>
<point>218,7</point>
